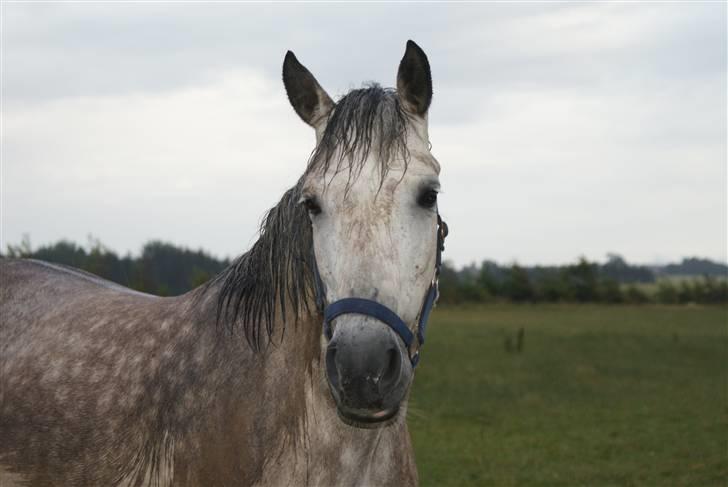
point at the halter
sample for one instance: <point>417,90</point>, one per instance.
<point>379,311</point>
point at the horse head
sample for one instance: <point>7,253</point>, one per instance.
<point>370,191</point>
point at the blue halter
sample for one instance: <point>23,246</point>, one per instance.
<point>379,311</point>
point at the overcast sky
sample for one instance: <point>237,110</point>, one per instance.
<point>562,129</point>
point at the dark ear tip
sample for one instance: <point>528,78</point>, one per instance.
<point>412,45</point>
<point>289,57</point>
<point>290,63</point>
<point>414,81</point>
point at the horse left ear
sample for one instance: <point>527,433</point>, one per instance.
<point>414,81</point>
<point>309,100</point>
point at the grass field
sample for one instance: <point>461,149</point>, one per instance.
<point>598,396</point>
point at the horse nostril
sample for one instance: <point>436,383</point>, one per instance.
<point>390,373</point>
<point>332,371</point>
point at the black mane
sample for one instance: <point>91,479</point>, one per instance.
<point>277,272</point>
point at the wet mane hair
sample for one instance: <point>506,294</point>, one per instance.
<point>277,272</point>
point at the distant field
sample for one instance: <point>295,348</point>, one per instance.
<point>598,396</point>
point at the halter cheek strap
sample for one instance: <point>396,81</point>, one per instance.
<point>377,310</point>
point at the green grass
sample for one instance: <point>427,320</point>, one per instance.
<point>599,396</point>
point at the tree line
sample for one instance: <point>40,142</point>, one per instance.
<point>161,268</point>
<point>615,281</point>
<point>167,270</point>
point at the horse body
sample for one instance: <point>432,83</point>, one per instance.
<point>234,383</point>
<point>105,386</point>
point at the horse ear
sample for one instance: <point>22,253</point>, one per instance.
<point>414,81</point>
<point>309,100</point>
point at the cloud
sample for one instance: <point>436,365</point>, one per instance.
<point>195,165</point>
<point>559,174</point>
<point>562,129</point>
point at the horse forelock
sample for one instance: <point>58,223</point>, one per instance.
<point>366,120</point>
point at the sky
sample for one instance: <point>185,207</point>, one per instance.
<point>563,129</point>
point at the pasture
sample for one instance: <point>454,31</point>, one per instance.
<point>599,395</point>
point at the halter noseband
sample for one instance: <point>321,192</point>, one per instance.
<point>379,311</point>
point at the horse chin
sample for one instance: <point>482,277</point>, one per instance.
<point>366,419</point>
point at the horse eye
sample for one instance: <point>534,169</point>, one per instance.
<point>428,198</point>
<point>311,205</point>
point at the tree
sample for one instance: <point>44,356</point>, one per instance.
<point>666,292</point>
<point>448,283</point>
<point>610,292</point>
<point>490,278</point>
<point>518,285</point>
<point>635,295</point>
<point>582,281</point>
<point>23,250</point>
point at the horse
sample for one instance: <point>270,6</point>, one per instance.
<point>293,366</point>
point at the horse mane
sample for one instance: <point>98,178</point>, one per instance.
<point>277,271</point>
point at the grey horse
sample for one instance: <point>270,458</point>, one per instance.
<point>235,382</point>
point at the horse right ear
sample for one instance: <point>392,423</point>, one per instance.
<point>414,81</point>
<point>309,100</point>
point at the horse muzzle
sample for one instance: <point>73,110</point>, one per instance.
<point>368,370</point>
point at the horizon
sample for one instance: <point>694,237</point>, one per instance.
<point>92,242</point>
